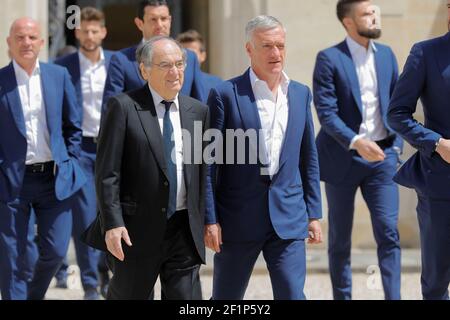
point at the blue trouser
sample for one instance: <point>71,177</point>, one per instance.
<point>285,261</point>
<point>84,211</point>
<point>381,195</point>
<point>434,224</point>
<point>54,221</point>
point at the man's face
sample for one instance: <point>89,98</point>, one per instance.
<point>366,21</point>
<point>157,21</point>
<point>90,35</point>
<point>267,52</point>
<point>196,46</point>
<point>24,41</point>
<point>166,74</point>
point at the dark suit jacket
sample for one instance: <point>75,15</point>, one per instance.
<point>131,178</point>
<point>337,98</point>
<point>426,75</point>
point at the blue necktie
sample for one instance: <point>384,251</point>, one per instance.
<point>169,145</point>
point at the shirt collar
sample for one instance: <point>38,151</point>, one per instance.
<point>22,73</point>
<point>255,81</point>
<point>85,61</point>
<point>355,47</point>
<point>157,99</point>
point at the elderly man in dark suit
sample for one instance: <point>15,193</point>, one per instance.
<point>150,194</point>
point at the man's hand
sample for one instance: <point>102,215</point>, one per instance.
<point>443,149</point>
<point>113,239</point>
<point>315,232</point>
<point>213,237</point>
<point>369,150</point>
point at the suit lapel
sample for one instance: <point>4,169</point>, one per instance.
<point>350,70</point>
<point>382,76</point>
<point>15,105</point>
<point>247,103</point>
<point>77,79</point>
<point>187,118</point>
<point>149,121</point>
<point>48,85</point>
<point>293,120</point>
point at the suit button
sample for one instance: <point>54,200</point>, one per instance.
<point>163,210</point>
<point>166,183</point>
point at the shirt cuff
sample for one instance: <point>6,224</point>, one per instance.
<point>352,143</point>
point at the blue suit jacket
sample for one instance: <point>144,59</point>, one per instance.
<point>426,76</point>
<point>210,81</point>
<point>124,75</point>
<point>64,126</point>
<point>242,200</point>
<point>72,63</point>
<point>337,98</point>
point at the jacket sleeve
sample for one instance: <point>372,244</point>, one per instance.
<point>326,102</point>
<point>309,167</point>
<point>403,104</point>
<point>115,81</point>
<point>71,118</point>
<point>217,119</point>
<point>108,164</point>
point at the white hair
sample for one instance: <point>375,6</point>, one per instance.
<point>262,22</point>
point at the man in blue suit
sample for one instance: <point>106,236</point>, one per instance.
<point>193,40</point>
<point>40,138</point>
<point>353,82</point>
<point>153,19</point>
<point>427,76</point>
<point>88,68</point>
<point>264,203</point>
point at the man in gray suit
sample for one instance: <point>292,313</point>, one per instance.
<point>150,193</point>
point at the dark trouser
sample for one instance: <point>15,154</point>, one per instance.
<point>434,223</point>
<point>381,195</point>
<point>178,267</point>
<point>54,221</point>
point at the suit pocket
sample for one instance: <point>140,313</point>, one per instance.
<point>129,208</point>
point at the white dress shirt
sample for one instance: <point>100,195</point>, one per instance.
<point>372,126</point>
<point>177,132</point>
<point>92,77</point>
<point>273,113</point>
<point>33,107</point>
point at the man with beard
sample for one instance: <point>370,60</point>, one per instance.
<point>427,76</point>
<point>88,68</point>
<point>353,83</point>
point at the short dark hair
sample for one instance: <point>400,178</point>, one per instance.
<point>149,3</point>
<point>345,7</point>
<point>191,35</point>
<point>90,14</point>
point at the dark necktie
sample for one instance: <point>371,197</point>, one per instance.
<point>169,146</point>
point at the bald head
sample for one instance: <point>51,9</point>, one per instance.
<point>24,22</point>
<point>25,42</point>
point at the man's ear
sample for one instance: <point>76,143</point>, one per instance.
<point>144,73</point>
<point>139,24</point>
<point>347,22</point>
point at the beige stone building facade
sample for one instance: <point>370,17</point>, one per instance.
<point>312,26</point>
